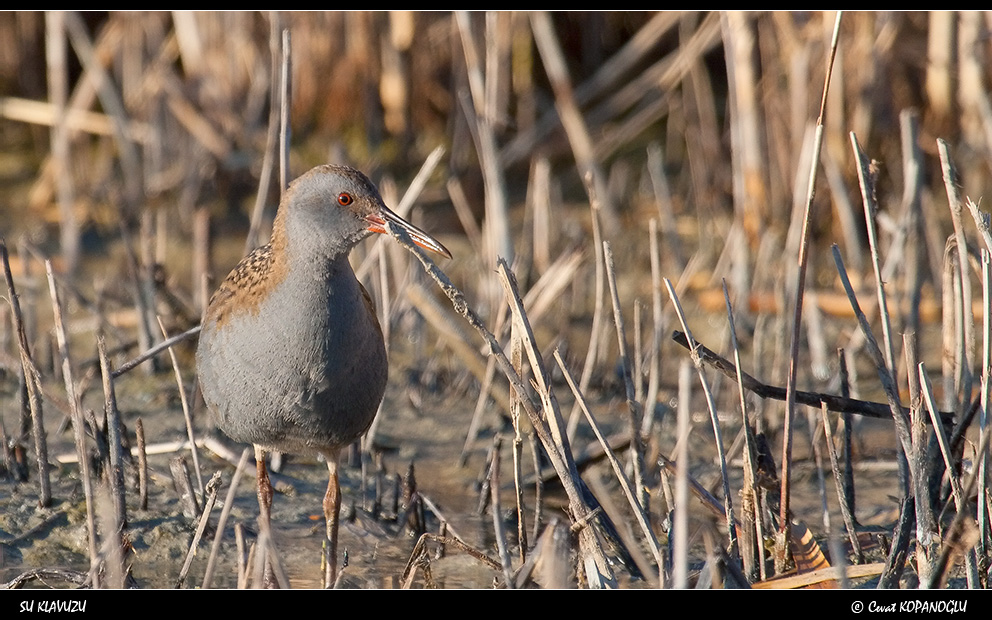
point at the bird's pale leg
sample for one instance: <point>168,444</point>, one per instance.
<point>332,508</point>
<point>264,507</point>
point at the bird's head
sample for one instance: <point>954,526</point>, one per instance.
<point>338,206</point>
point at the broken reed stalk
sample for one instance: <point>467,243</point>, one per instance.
<point>866,181</point>
<point>960,502</point>
<point>927,533</point>
<point>714,419</point>
<point>78,429</point>
<point>886,379</point>
<point>912,217</point>
<point>139,439</point>
<point>537,300</point>
<point>222,519</point>
<point>981,222</point>
<point>953,535</point>
<point>187,414</point>
<point>897,556</point>
<point>516,353</point>
<point>790,399</point>
<point>497,513</point>
<point>552,413</point>
<point>951,322</point>
<point>597,568</point>
<point>845,391</point>
<point>752,544</point>
<point>185,491</point>
<point>815,434</point>
<point>966,345</point>
<point>32,382</point>
<point>209,499</point>
<point>633,406</point>
<point>845,510</point>
<point>115,448</point>
<point>629,489</point>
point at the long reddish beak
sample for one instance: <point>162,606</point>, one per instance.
<point>377,224</point>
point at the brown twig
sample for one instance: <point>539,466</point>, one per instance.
<point>419,552</point>
<point>836,403</point>
<point>155,350</point>
<point>139,438</point>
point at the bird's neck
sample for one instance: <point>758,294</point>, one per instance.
<point>302,240</point>
<point>311,255</point>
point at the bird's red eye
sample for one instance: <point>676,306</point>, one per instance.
<point>345,199</point>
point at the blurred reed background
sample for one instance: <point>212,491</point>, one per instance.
<point>141,150</point>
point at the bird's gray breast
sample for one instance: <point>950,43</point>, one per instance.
<point>304,373</point>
